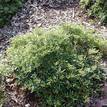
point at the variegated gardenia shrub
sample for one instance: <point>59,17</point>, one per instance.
<point>7,9</point>
<point>60,65</point>
<point>96,8</point>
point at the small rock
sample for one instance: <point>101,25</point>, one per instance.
<point>27,105</point>
<point>8,80</point>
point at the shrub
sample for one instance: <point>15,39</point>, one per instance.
<point>7,9</point>
<point>86,3</point>
<point>61,65</point>
<point>97,8</point>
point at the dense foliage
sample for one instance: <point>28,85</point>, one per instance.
<point>61,65</point>
<point>7,9</point>
<point>97,8</point>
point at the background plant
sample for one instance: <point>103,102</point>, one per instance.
<point>61,65</point>
<point>97,8</point>
<point>7,9</point>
